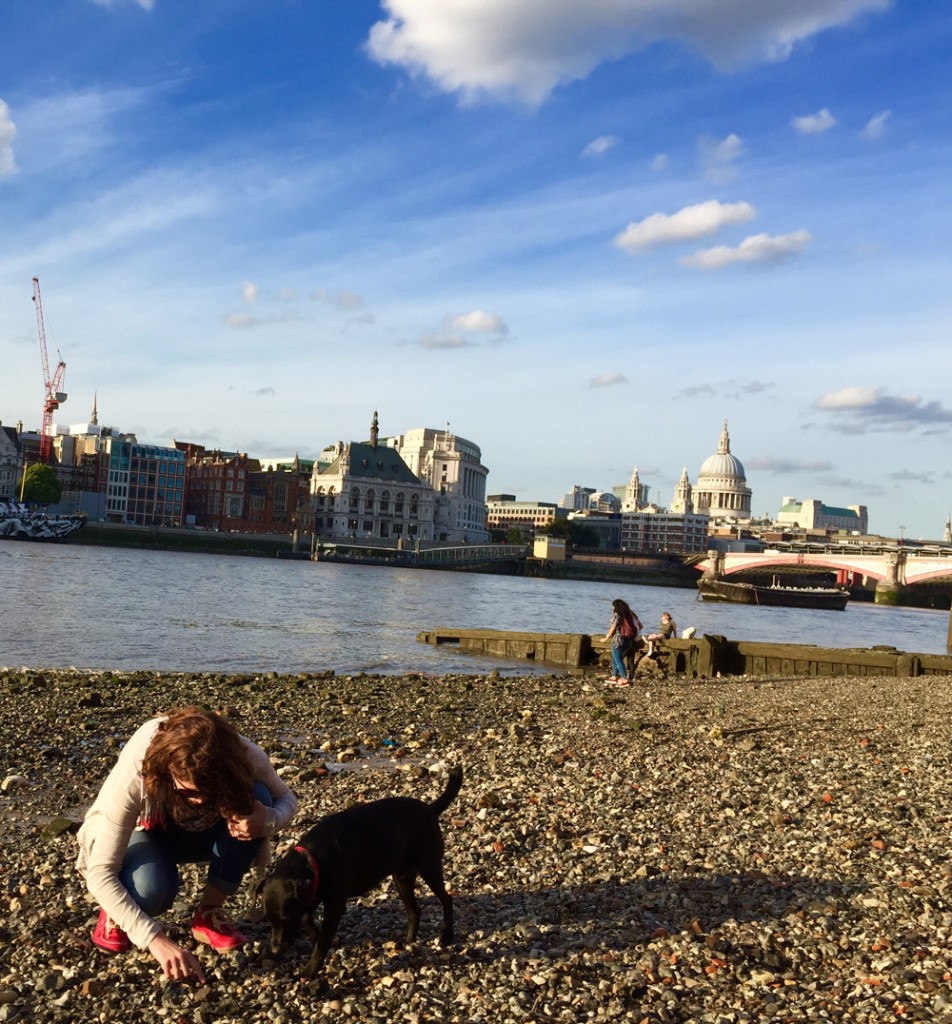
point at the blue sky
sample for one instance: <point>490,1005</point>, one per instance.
<point>581,234</point>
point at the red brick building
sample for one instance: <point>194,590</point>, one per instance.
<point>230,491</point>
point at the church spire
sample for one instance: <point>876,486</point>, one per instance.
<point>724,445</point>
<point>632,500</point>
<point>374,430</point>
<point>94,418</point>
<point>683,495</point>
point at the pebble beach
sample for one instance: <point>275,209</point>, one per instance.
<point>711,850</point>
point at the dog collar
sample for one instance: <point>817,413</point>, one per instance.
<point>315,870</point>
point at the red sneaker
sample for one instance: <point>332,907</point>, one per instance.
<point>109,936</point>
<point>216,928</point>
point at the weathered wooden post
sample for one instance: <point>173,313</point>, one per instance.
<point>710,655</point>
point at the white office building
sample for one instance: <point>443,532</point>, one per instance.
<point>453,467</point>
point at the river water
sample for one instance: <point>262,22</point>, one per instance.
<point>108,608</point>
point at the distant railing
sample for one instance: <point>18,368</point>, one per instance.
<point>410,554</point>
<point>472,553</point>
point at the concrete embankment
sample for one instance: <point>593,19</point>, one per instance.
<point>176,539</point>
<point>699,657</point>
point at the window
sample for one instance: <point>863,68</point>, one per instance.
<point>398,504</point>
<point>385,502</point>
<point>355,499</point>
<point>414,505</point>
<point>369,501</point>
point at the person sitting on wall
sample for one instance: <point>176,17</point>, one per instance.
<point>667,629</point>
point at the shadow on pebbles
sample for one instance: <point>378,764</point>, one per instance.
<point>707,850</point>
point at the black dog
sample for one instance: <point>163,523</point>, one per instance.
<point>349,853</point>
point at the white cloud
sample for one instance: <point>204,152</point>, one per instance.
<point>67,128</point>
<point>243,321</point>
<point>524,50</point>
<point>876,125</point>
<point>606,380</point>
<point>8,131</point>
<point>437,340</point>
<point>688,224</point>
<point>718,157</point>
<point>478,322</point>
<point>146,5</point>
<point>458,330</point>
<point>240,320</point>
<point>660,162</point>
<point>249,292</point>
<point>732,388</point>
<point>857,410</point>
<point>814,124</point>
<point>761,248</point>
<point>600,145</point>
<point>341,299</point>
<point>783,467</point>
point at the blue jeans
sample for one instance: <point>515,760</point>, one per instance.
<point>150,869</point>
<point>618,659</point>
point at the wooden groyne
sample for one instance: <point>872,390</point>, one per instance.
<point>699,657</point>
<point>571,650</point>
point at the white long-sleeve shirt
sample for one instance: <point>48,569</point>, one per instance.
<point>120,807</point>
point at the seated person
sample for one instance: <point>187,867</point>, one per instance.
<point>667,629</point>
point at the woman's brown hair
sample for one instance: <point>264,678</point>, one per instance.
<point>206,749</point>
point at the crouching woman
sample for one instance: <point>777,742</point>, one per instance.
<point>187,788</point>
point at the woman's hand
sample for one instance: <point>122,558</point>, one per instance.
<point>249,826</point>
<point>177,964</point>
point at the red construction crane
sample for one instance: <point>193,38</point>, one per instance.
<point>53,397</point>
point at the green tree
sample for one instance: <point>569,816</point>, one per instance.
<point>577,533</point>
<point>583,536</point>
<point>557,528</point>
<point>40,486</point>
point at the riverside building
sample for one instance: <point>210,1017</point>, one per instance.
<point>503,512</point>
<point>453,468</point>
<point>811,514</point>
<point>9,462</point>
<point>365,490</point>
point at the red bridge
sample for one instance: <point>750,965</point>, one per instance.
<point>889,568</point>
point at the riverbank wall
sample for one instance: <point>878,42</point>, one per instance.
<point>612,567</point>
<point>699,657</point>
<point>647,570</point>
<point>166,538</point>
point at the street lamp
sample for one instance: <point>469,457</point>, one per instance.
<point>902,531</point>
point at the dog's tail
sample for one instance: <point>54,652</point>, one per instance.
<point>453,784</point>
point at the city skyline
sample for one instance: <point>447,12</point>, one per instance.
<point>582,234</point>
